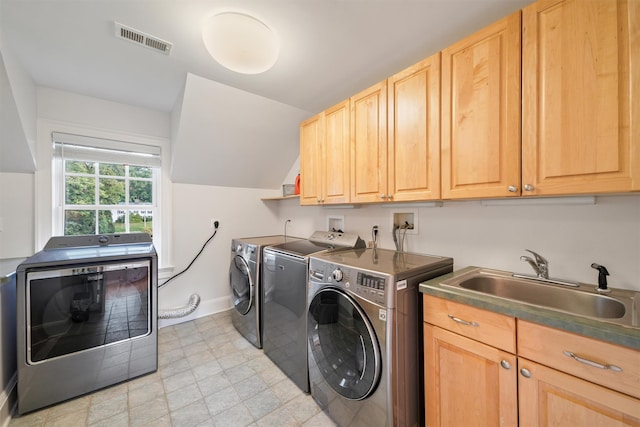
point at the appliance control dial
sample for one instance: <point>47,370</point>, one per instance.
<point>238,249</point>
<point>337,275</point>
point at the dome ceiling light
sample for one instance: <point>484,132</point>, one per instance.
<point>240,42</point>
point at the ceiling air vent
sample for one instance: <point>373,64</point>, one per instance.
<point>142,39</point>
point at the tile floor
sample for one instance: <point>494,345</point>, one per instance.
<point>208,375</point>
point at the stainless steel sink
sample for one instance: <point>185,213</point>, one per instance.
<point>581,300</point>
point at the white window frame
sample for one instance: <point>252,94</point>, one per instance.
<point>48,180</point>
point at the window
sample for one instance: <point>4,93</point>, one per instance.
<point>107,198</point>
<point>105,186</point>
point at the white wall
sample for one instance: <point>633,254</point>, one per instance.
<point>240,213</point>
<point>18,113</point>
<point>16,215</point>
<point>571,237</point>
<point>61,111</point>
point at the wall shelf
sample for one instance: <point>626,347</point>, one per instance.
<point>295,196</point>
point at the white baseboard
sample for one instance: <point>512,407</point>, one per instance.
<point>205,308</point>
<point>8,399</point>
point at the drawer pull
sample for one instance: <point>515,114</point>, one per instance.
<point>463,322</point>
<point>591,362</point>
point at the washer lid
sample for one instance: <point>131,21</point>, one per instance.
<point>298,247</point>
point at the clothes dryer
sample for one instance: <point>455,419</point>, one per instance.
<point>284,298</point>
<point>363,334</point>
<point>245,283</point>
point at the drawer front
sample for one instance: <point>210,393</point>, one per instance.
<point>610,365</point>
<point>494,329</point>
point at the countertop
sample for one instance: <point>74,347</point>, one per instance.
<point>605,331</point>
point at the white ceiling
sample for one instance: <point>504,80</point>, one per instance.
<point>330,49</point>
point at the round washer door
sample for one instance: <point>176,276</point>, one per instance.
<point>343,344</point>
<point>241,284</point>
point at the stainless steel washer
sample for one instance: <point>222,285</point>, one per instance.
<point>285,299</point>
<point>245,283</point>
<point>363,334</point>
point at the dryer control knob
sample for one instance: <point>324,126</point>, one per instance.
<point>337,275</point>
<point>238,249</point>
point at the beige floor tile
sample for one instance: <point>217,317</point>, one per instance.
<point>208,375</point>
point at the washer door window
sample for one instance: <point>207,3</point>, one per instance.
<point>241,283</point>
<point>343,344</point>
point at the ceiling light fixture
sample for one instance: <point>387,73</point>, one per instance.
<point>240,42</point>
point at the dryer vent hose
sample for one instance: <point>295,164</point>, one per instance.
<point>174,313</point>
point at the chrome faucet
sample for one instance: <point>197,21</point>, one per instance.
<point>538,263</point>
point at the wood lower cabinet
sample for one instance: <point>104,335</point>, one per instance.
<point>324,157</point>
<point>469,377</point>
<point>481,113</point>
<point>581,127</point>
<point>469,382</point>
<point>552,398</point>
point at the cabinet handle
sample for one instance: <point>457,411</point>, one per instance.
<point>528,187</point>
<point>382,196</point>
<point>512,189</point>
<point>591,362</point>
<point>463,322</point>
<point>525,372</point>
<point>505,364</point>
<point>389,196</point>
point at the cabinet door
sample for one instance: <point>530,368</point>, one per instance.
<point>467,382</point>
<point>580,128</point>
<point>481,113</point>
<point>336,153</point>
<point>552,398</point>
<point>369,145</point>
<point>311,135</point>
<point>414,132</point>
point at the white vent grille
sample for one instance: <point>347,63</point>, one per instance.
<point>142,39</point>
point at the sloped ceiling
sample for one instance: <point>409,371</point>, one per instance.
<point>15,150</point>
<point>233,138</point>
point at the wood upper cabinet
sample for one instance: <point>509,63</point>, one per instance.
<point>324,157</point>
<point>414,132</point>
<point>369,145</point>
<point>481,113</point>
<point>336,154</point>
<point>311,136</point>
<point>581,130</point>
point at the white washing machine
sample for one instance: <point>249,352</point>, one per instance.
<point>363,333</point>
<point>245,284</point>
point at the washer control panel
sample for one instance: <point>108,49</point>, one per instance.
<point>365,284</point>
<point>245,250</point>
